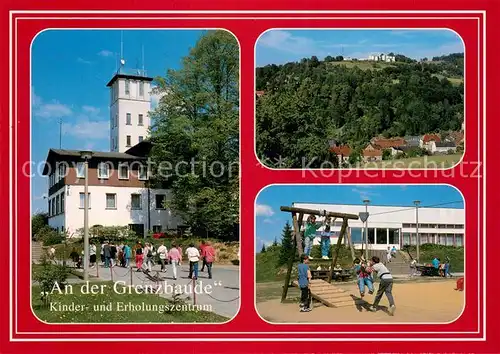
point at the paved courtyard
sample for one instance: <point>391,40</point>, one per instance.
<point>224,298</point>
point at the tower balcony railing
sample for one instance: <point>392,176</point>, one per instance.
<point>136,72</point>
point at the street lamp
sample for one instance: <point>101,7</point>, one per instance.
<point>366,202</point>
<point>417,203</point>
<point>86,156</point>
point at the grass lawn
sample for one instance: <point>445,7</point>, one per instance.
<point>94,311</point>
<point>437,161</point>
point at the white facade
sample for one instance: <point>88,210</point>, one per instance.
<point>382,57</point>
<point>102,212</point>
<point>129,107</point>
<point>441,149</point>
<point>396,226</point>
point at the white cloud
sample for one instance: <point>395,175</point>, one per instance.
<point>285,41</point>
<point>53,109</point>
<point>83,61</point>
<point>35,99</point>
<point>263,210</point>
<point>86,129</point>
<point>268,221</point>
<point>91,110</point>
<point>106,53</point>
<point>364,192</point>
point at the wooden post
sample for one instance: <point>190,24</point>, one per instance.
<point>339,244</point>
<point>298,235</point>
<point>291,259</point>
<point>349,238</point>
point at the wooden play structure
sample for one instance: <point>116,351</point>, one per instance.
<point>321,290</point>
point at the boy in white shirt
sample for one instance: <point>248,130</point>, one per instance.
<point>193,256</point>
<point>385,285</point>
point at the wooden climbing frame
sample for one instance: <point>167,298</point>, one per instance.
<point>297,219</point>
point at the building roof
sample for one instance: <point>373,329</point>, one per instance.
<point>56,155</point>
<point>449,144</point>
<point>430,137</point>
<point>372,153</point>
<point>382,143</point>
<point>259,93</point>
<point>343,150</point>
<point>128,76</point>
<point>457,137</point>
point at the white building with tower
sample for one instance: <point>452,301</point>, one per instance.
<point>118,180</point>
<point>390,226</point>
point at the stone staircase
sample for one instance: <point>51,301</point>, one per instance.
<point>37,251</point>
<point>398,264</point>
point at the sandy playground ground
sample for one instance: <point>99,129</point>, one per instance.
<point>432,301</point>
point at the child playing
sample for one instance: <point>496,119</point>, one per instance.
<point>304,283</point>
<point>310,234</point>
<point>325,239</point>
<point>385,286</point>
<point>364,277</point>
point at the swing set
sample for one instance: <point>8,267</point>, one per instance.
<point>297,219</point>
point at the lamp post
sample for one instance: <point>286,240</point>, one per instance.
<point>86,156</point>
<point>417,203</point>
<point>366,202</point>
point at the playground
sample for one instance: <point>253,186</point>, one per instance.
<point>433,301</point>
<point>421,300</point>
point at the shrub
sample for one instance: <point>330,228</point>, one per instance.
<point>47,275</point>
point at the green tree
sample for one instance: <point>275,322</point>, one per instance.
<point>286,244</point>
<point>38,221</point>
<point>195,135</point>
<point>263,249</point>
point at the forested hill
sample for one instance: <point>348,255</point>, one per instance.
<point>308,103</point>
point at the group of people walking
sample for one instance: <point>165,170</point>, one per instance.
<point>146,255</point>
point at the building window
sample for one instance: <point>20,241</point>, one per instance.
<point>123,172</point>
<point>127,87</point>
<point>141,139</point>
<point>112,143</point>
<point>141,89</point>
<point>156,228</point>
<point>110,201</point>
<point>62,171</point>
<point>53,206</point>
<point>116,119</point>
<point>129,119</point>
<point>103,170</point>
<point>160,201</point>
<point>371,236</point>
<point>393,236</point>
<point>128,140</point>
<point>136,202</point>
<point>143,173</point>
<point>80,170</point>
<point>459,240</point>
<point>82,200</point>
<point>50,207</point>
<point>356,235</point>
<point>62,202</point>
<point>57,205</point>
<point>140,120</point>
<point>381,236</point>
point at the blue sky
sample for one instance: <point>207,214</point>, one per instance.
<point>281,46</point>
<point>270,220</point>
<point>70,70</point>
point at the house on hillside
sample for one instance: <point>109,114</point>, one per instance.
<point>442,147</point>
<point>259,94</point>
<point>383,144</point>
<point>412,141</point>
<point>401,149</point>
<point>342,152</point>
<point>456,137</point>
<point>372,153</point>
<point>382,57</point>
<point>427,139</point>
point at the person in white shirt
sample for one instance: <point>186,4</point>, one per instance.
<point>385,286</point>
<point>92,252</point>
<point>193,256</point>
<point>163,253</point>
<point>148,257</point>
<point>389,254</point>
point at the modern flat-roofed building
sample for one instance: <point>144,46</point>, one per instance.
<point>396,226</point>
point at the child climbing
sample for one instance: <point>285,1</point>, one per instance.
<point>364,277</point>
<point>325,239</point>
<point>310,234</point>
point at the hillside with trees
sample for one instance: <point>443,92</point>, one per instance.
<point>308,104</point>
